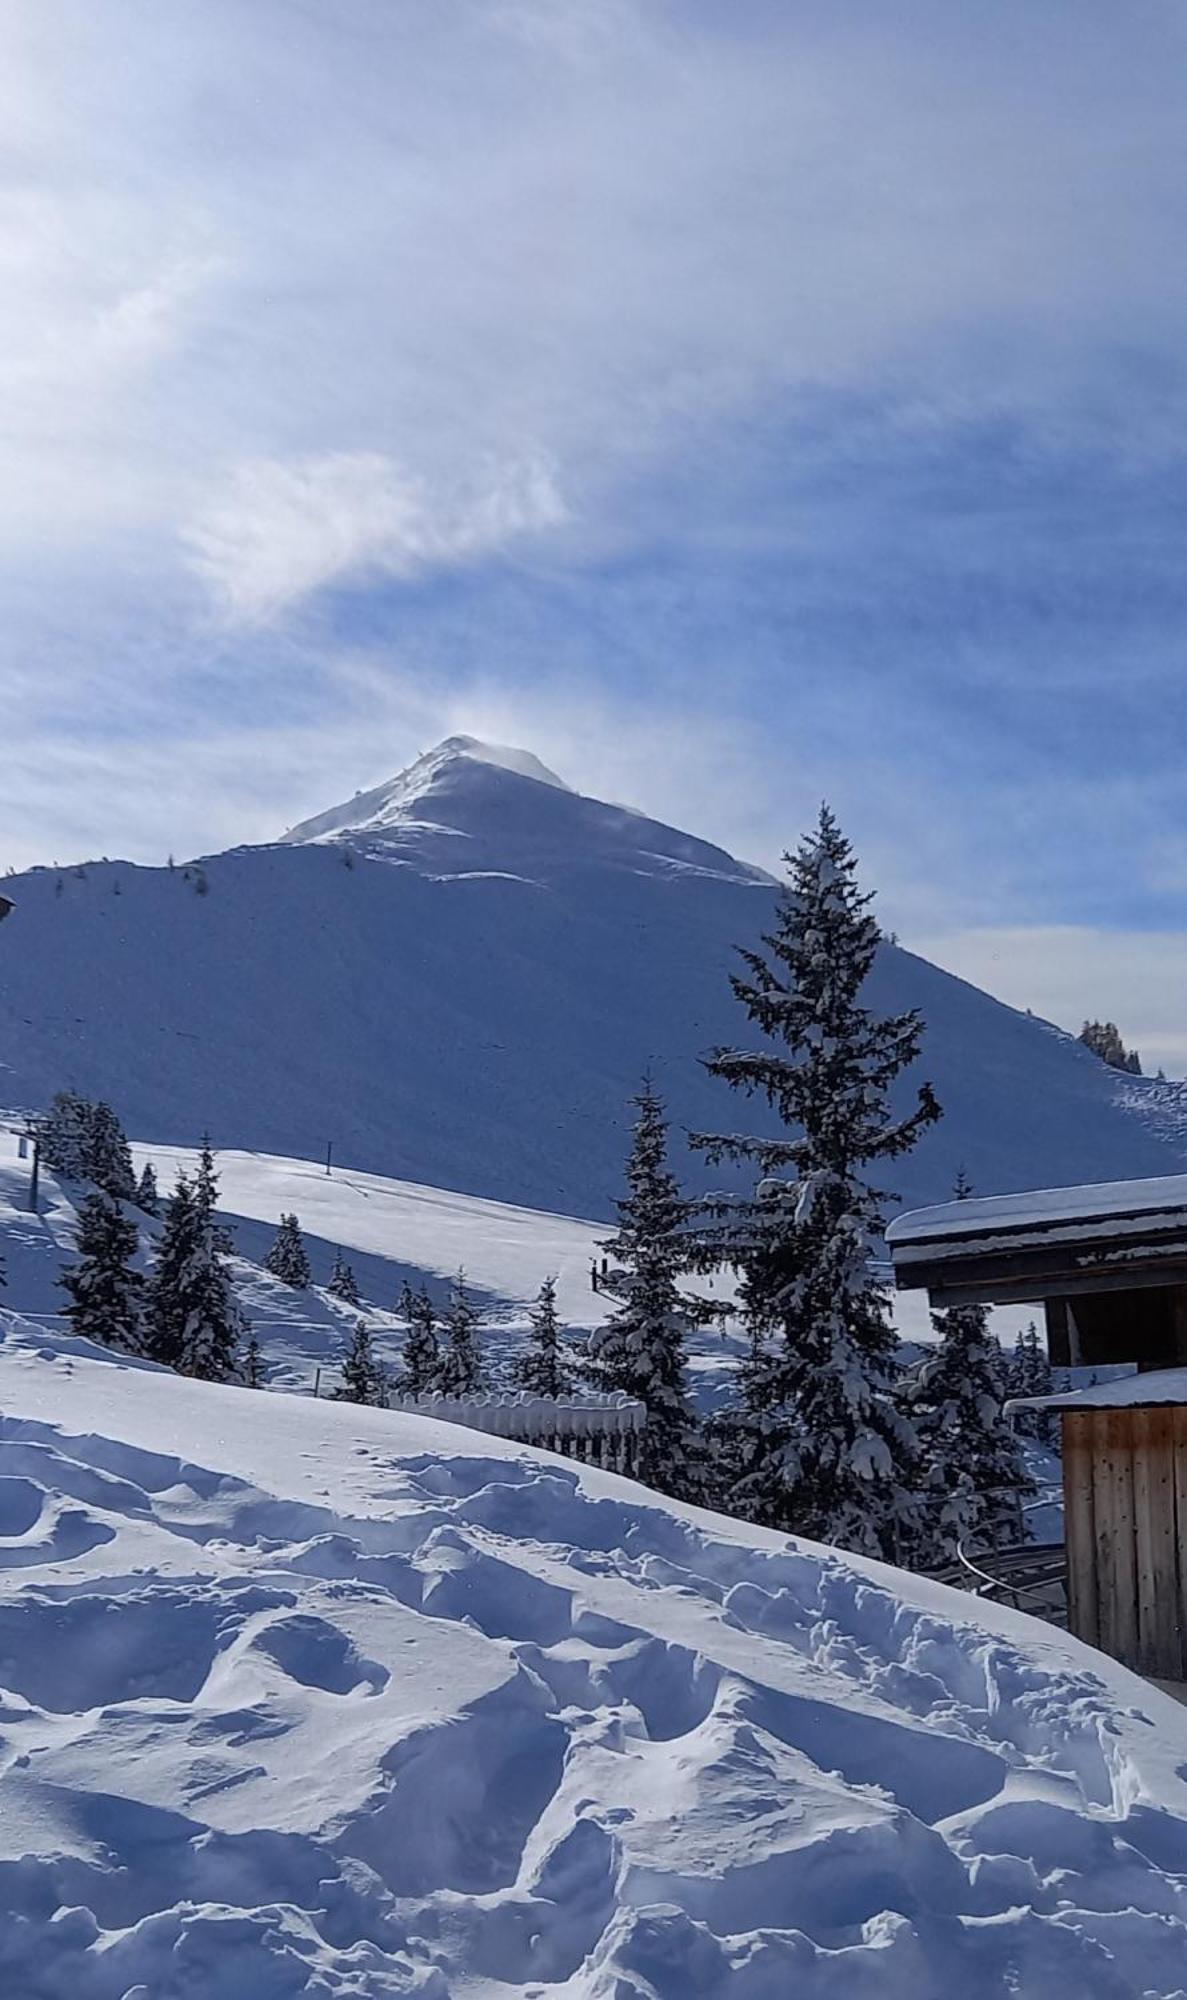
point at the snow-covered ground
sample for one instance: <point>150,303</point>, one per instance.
<point>306,1700</point>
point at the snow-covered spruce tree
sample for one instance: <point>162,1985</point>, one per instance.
<point>206,1199</point>
<point>105,1291</point>
<point>64,1134</point>
<point>641,1347</point>
<point>194,1323</point>
<point>1029,1374</point>
<point>974,1480</point>
<point>543,1369</point>
<point>363,1379</point>
<point>822,1449</point>
<point>343,1283</point>
<point>165,1316</point>
<point>107,1157</point>
<point>148,1195</point>
<point>459,1368</point>
<point>287,1259</point>
<point>421,1357</point>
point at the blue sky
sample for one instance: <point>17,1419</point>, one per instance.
<point>734,404</point>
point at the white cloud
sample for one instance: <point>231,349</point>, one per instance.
<point>282,529</point>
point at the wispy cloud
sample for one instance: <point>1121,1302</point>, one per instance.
<point>281,530</point>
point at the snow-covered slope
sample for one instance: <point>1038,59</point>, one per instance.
<point>391,1231</point>
<point>459,979</point>
<point>307,1700</point>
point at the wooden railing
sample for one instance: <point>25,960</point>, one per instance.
<point>597,1430</point>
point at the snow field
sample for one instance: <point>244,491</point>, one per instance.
<point>347,1702</point>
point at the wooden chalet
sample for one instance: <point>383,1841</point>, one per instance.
<point>1108,1264</point>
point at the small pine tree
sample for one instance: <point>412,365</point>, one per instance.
<point>194,1323</point>
<point>287,1259</point>
<point>1104,1039</point>
<point>148,1195</point>
<point>641,1348</point>
<point>421,1356</point>
<point>253,1362</point>
<point>459,1370</point>
<point>206,1199</point>
<point>544,1370</point>
<point>64,1135</point>
<point>821,1446</point>
<point>363,1380</point>
<point>107,1157</point>
<point>104,1290</point>
<point>343,1283</point>
<point>165,1316</point>
<point>1029,1374</point>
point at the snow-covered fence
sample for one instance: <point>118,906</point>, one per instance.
<point>605,1430</point>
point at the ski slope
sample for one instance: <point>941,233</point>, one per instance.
<point>301,1699</point>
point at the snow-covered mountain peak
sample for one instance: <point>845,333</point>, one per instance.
<point>419,792</point>
<point>469,808</point>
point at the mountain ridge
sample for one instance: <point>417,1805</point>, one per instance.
<point>468,995</point>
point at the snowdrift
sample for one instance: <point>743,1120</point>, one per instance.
<point>301,1699</point>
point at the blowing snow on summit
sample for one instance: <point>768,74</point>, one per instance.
<point>593,1337</point>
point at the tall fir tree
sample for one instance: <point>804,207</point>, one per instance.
<point>459,1368</point>
<point>148,1195</point>
<point>287,1259</point>
<point>822,1448</point>
<point>194,1323</point>
<point>543,1369</point>
<point>641,1348</point>
<point>363,1379</point>
<point>343,1283</point>
<point>421,1355</point>
<point>105,1290</point>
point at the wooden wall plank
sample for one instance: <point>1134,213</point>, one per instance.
<point>1112,1494</point>
<point>1179,1423</point>
<point>1156,1566</point>
<point>1080,1525</point>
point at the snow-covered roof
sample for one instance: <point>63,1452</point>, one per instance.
<point>1039,1208</point>
<point>1048,1243</point>
<point>1129,1392</point>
